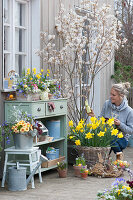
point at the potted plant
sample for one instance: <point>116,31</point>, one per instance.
<point>93,138</point>
<point>84,172</point>
<point>118,191</point>
<point>62,169</point>
<point>80,162</point>
<point>22,128</point>
<point>34,85</point>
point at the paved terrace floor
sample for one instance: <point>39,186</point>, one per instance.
<point>70,188</point>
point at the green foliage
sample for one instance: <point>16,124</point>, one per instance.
<point>122,73</point>
<point>80,160</point>
<point>62,165</point>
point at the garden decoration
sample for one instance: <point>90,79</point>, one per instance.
<point>62,169</point>
<point>17,176</point>
<point>32,85</point>
<point>118,191</point>
<point>93,138</point>
<point>80,163</point>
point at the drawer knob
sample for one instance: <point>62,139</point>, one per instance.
<point>61,106</point>
<point>38,109</point>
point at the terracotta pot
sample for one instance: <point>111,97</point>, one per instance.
<point>84,175</point>
<point>62,173</point>
<point>77,170</point>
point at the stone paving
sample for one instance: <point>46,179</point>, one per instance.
<point>70,188</point>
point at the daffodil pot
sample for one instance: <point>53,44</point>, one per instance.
<point>91,154</point>
<point>22,141</point>
<point>77,170</point>
<point>23,97</point>
<point>62,173</point>
<point>83,175</point>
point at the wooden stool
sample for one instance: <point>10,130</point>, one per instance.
<point>33,158</point>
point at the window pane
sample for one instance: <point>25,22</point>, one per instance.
<point>6,64</point>
<point>20,14</point>
<point>19,64</point>
<point>20,40</point>
<point>6,39</point>
<point>6,11</point>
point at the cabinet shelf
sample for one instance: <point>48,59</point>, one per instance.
<point>40,110</point>
<point>47,142</point>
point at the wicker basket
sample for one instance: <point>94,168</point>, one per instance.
<point>91,154</point>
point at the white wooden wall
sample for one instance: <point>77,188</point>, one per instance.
<point>49,10</point>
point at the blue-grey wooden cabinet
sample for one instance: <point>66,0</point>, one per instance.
<point>40,110</point>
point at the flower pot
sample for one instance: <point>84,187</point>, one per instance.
<point>84,175</point>
<point>44,95</point>
<point>77,170</point>
<point>28,97</point>
<point>62,173</point>
<point>22,141</point>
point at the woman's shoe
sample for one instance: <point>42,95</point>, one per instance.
<point>119,156</point>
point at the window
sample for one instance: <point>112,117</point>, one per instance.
<point>18,27</point>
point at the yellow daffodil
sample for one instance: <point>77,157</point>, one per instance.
<point>120,135</point>
<point>101,134</point>
<point>110,122</point>
<point>42,70</point>
<point>71,137</point>
<point>102,119</point>
<point>38,76</point>
<point>77,142</point>
<point>93,119</point>
<point>114,132</point>
<point>89,135</point>
<point>25,86</point>
<point>81,121</point>
<point>48,71</point>
<point>71,123</point>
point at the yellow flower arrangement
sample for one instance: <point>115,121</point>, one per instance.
<point>22,127</point>
<point>98,133</point>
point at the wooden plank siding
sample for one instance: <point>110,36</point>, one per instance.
<point>49,10</point>
<point>130,97</point>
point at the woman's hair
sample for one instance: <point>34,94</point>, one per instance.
<point>121,88</point>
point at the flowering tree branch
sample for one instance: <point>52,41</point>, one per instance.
<point>88,36</point>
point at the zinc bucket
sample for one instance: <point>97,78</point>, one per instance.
<point>53,127</point>
<point>17,179</point>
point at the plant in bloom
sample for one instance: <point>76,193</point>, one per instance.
<point>62,165</point>
<point>119,191</point>
<point>84,170</point>
<point>20,123</point>
<point>88,29</point>
<point>121,164</point>
<point>80,161</point>
<point>97,133</point>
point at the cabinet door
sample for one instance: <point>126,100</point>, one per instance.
<point>60,108</point>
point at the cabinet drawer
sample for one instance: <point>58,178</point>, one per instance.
<point>38,110</point>
<point>60,108</point>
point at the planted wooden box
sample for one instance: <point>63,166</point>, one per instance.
<point>51,163</point>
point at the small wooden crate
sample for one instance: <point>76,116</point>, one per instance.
<point>51,163</point>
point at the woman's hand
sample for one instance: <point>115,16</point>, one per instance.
<point>91,114</point>
<point>117,122</point>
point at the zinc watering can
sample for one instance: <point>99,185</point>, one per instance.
<point>17,176</point>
